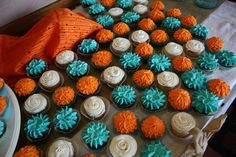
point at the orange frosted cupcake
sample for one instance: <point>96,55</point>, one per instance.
<point>182,35</point>
<point>87,85</point>
<point>179,99</point>
<point>108,3</point>
<point>152,127</point>
<point>188,21</point>
<point>157,5</point>
<point>219,87</point>
<point>147,25</point>
<point>102,59</point>
<point>144,50</point>
<point>88,155</point>
<point>28,151</point>
<point>156,15</point>
<point>121,29</point>
<point>104,37</point>
<point>143,78</point>
<point>182,64</point>
<point>3,104</point>
<point>24,87</point>
<point>1,83</point>
<point>173,12</point>
<point>125,122</point>
<point>214,44</point>
<point>64,96</point>
<point>159,37</point>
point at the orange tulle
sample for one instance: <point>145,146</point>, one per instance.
<point>219,87</point>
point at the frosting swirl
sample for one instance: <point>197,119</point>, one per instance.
<point>173,49</point>
<point>121,44</point>
<point>50,78</point>
<point>140,36</point>
<point>168,79</point>
<point>113,75</point>
<point>140,9</point>
<point>61,148</point>
<point>94,107</point>
<point>115,11</point>
<point>35,103</point>
<point>65,57</point>
<point>195,46</point>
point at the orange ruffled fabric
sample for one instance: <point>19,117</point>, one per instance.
<point>219,87</point>
<point>182,35</point>
<point>63,96</point>
<point>89,155</point>
<point>179,99</point>
<point>188,21</point>
<point>24,87</point>
<point>157,5</point>
<point>87,85</point>
<point>156,15</point>
<point>215,44</point>
<point>102,58</point>
<point>159,36</point>
<point>121,28</point>
<point>146,24</point>
<point>144,50</point>
<point>27,151</point>
<point>3,104</point>
<point>152,127</point>
<point>59,30</point>
<point>143,78</point>
<point>125,122</point>
<point>174,12</point>
<point>104,35</point>
<point>181,63</point>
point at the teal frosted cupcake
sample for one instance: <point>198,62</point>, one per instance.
<point>194,79</point>
<point>87,3</point>
<point>124,96</point>
<point>171,24</point>
<point>207,62</point>
<point>37,128</point>
<point>130,61</point>
<point>152,99</point>
<point>95,135</point>
<point>77,69</point>
<point>199,31</point>
<point>124,4</point>
<point>96,9</point>
<point>205,102</point>
<point>226,58</point>
<point>36,67</point>
<point>105,20</point>
<point>66,120</point>
<point>155,149</point>
<point>87,47</point>
<point>130,18</point>
<point>2,128</point>
<point>159,63</point>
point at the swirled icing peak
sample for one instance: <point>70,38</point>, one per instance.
<point>105,20</point>
<point>94,106</point>
<point>96,8</point>
<point>35,103</point>
<point>200,31</point>
<point>65,57</point>
<point>207,61</point>
<point>171,23</point>
<point>77,68</point>
<point>159,63</point>
<point>124,3</point>
<point>130,17</point>
<point>61,148</point>
<point>227,58</point>
<point>50,78</point>
<point>88,46</point>
<point>130,60</point>
<point>36,67</point>
<point>113,75</point>
<point>219,87</point>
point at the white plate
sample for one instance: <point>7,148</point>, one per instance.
<point>12,117</point>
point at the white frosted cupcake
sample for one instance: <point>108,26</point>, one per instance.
<point>120,45</point>
<point>181,123</point>
<point>194,48</point>
<point>115,12</point>
<point>113,76</point>
<point>64,58</point>
<point>141,9</point>
<point>172,50</point>
<point>138,37</point>
<point>123,145</point>
<point>167,80</point>
<point>144,2</point>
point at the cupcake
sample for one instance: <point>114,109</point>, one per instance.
<point>179,99</point>
<point>182,36</point>
<point>182,123</point>
<point>50,80</point>
<point>155,148</point>
<point>61,147</point>
<point>115,13</point>
<point>147,25</point>
<point>171,24</point>
<point>87,47</point>
<point>152,127</point>
<point>88,85</point>
<point>143,78</point>
<point>199,31</point>
<point>194,79</point>
<point>1,83</point>
<point>141,9</point>
<point>2,128</point>
<point>167,80</point>
<point>172,50</point>
<point>101,59</point>
<point>88,155</point>
<point>144,50</point>
<point>113,76</point>
<point>123,145</point>
<point>130,18</point>
<point>157,16</point>
<point>104,37</point>
<point>144,2</point>
<point>214,44</point>
<point>36,67</point>
<point>125,122</point>
<point>25,87</point>
<point>188,21</point>
<point>3,105</point>
<point>36,103</point>
<point>106,21</point>
<point>157,5</point>
<point>159,38</point>
<point>139,36</point>
<point>193,49</point>
<point>64,96</point>
<point>95,135</point>
<point>205,102</point>
<point>173,12</point>
<point>219,87</point>
<point>124,96</point>
<point>121,29</point>
<point>77,69</point>
<point>64,58</point>
<point>108,3</point>
<point>182,64</point>
<point>207,62</point>
<point>130,61</point>
<point>120,45</point>
<point>28,151</point>
<point>96,9</point>
<point>124,4</point>
<point>159,63</point>
<point>65,120</point>
<point>152,99</point>
<point>87,3</point>
<point>37,128</point>
<point>226,58</point>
